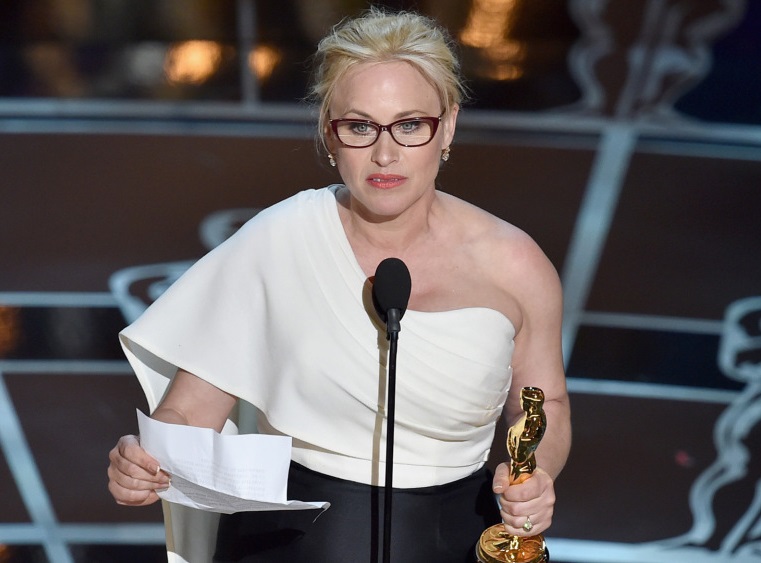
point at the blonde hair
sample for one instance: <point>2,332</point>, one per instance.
<point>379,36</point>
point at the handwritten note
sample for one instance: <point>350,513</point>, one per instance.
<point>221,473</point>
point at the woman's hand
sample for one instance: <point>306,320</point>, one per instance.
<point>133,475</point>
<point>531,500</point>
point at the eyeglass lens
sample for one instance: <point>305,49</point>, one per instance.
<point>409,133</point>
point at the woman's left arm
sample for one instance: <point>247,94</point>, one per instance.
<point>537,362</point>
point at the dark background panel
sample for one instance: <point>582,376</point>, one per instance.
<point>685,239</point>
<point>84,415</point>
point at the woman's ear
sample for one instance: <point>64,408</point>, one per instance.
<point>330,144</point>
<point>450,124</point>
<point>329,140</point>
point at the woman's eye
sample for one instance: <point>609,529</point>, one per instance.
<point>361,129</point>
<point>408,127</point>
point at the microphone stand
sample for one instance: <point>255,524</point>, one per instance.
<point>391,292</point>
<point>392,335</point>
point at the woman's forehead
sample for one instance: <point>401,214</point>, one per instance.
<point>377,85</point>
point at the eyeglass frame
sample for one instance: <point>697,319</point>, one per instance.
<point>433,121</point>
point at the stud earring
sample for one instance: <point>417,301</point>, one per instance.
<point>332,160</point>
<point>445,154</point>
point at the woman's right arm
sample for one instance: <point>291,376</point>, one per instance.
<point>133,475</point>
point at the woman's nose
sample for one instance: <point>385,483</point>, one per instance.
<point>385,149</point>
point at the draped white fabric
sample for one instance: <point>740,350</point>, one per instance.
<point>280,316</point>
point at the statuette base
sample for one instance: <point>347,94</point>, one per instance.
<point>497,546</point>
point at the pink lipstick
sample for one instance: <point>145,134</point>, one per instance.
<point>385,181</point>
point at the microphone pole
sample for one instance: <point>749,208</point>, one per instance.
<point>393,338</point>
<point>391,292</point>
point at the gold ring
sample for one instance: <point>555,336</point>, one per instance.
<point>528,525</point>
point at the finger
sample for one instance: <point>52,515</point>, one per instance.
<point>511,510</point>
<point>539,506</point>
<point>517,521</point>
<point>537,509</point>
<point>133,492</point>
<point>129,447</point>
<point>126,480</point>
<point>501,479</point>
<point>524,526</point>
<point>130,497</point>
<point>538,485</point>
<point>129,476</point>
<point>527,491</point>
<point>515,528</point>
<point>131,460</point>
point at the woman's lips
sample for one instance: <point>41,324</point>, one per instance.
<point>385,181</point>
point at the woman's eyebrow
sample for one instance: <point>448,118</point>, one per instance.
<point>400,115</point>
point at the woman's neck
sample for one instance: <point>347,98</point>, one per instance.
<point>397,235</point>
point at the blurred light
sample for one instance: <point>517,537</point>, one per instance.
<point>54,68</point>
<point>488,28</point>
<point>5,553</point>
<point>10,335</point>
<point>684,459</point>
<point>262,60</point>
<point>73,19</point>
<point>192,62</point>
<point>144,63</point>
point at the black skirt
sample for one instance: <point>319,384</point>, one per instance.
<point>438,524</point>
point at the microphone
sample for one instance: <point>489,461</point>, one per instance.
<point>391,293</point>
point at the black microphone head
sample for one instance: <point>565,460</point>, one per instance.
<point>391,287</point>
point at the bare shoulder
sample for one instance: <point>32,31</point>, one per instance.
<point>509,264</point>
<point>507,251</point>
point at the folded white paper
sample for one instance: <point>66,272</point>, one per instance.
<point>221,473</point>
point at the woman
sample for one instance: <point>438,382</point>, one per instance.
<point>278,316</point>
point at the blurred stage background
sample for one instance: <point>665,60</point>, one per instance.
<point>625,136</point>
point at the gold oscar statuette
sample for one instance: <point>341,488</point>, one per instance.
<point>495,544</point>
